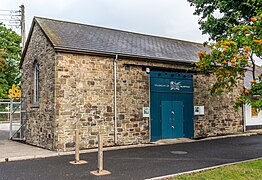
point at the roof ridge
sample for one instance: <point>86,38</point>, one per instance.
<point>107,28</point>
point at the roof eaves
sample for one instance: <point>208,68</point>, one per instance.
<point>113,54</point>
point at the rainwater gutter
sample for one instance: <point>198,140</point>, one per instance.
<point>244,115</point>
<point>115,112</point>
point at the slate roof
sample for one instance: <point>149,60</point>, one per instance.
<point>86,38</point>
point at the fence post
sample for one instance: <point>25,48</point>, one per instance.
<point>11,119</point>
<point>20,116</point>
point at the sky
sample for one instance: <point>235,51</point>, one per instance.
<point>167,18</point>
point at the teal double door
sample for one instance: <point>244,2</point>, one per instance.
<point>171,105</point>
<point>172,119</point>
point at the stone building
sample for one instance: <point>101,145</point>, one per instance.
<point>133,88</point>
<point>252,116</point>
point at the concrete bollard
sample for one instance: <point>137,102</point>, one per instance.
<point>100,158</point>
<point>77,154</point>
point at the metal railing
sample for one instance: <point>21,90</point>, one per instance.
<point>15,109</point>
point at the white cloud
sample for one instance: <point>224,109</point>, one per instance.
<point>171,18</point>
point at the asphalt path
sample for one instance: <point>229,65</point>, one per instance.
<point>139,163</point>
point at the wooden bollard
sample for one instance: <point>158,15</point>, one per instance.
<point>100,158</point>
<point>77,154</point>
<point>77,157</point>
<point>100,153</point>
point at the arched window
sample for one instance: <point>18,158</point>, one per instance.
<point>36,83</point>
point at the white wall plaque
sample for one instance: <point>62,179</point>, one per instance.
<point>199,110</point>
<point>146,112</point>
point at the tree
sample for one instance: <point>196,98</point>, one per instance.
<point>3,82</point>
<point>10,53</point>
<point>230,56</point>
<point>232,13</point>
<point>237,32</point>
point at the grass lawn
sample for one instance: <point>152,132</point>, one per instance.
<point>249,170</point>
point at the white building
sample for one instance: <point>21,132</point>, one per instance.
<point>253,118</point>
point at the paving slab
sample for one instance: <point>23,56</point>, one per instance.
<point>12,150</point>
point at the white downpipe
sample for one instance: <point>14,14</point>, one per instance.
<point>115,112</point>
<point>244,117</point>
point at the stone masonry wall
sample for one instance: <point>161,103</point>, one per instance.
<point>220,118</point>
<point>132,96</point>
<point>40,117</point>
<point>84,100</point>
<point>84,89</point>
